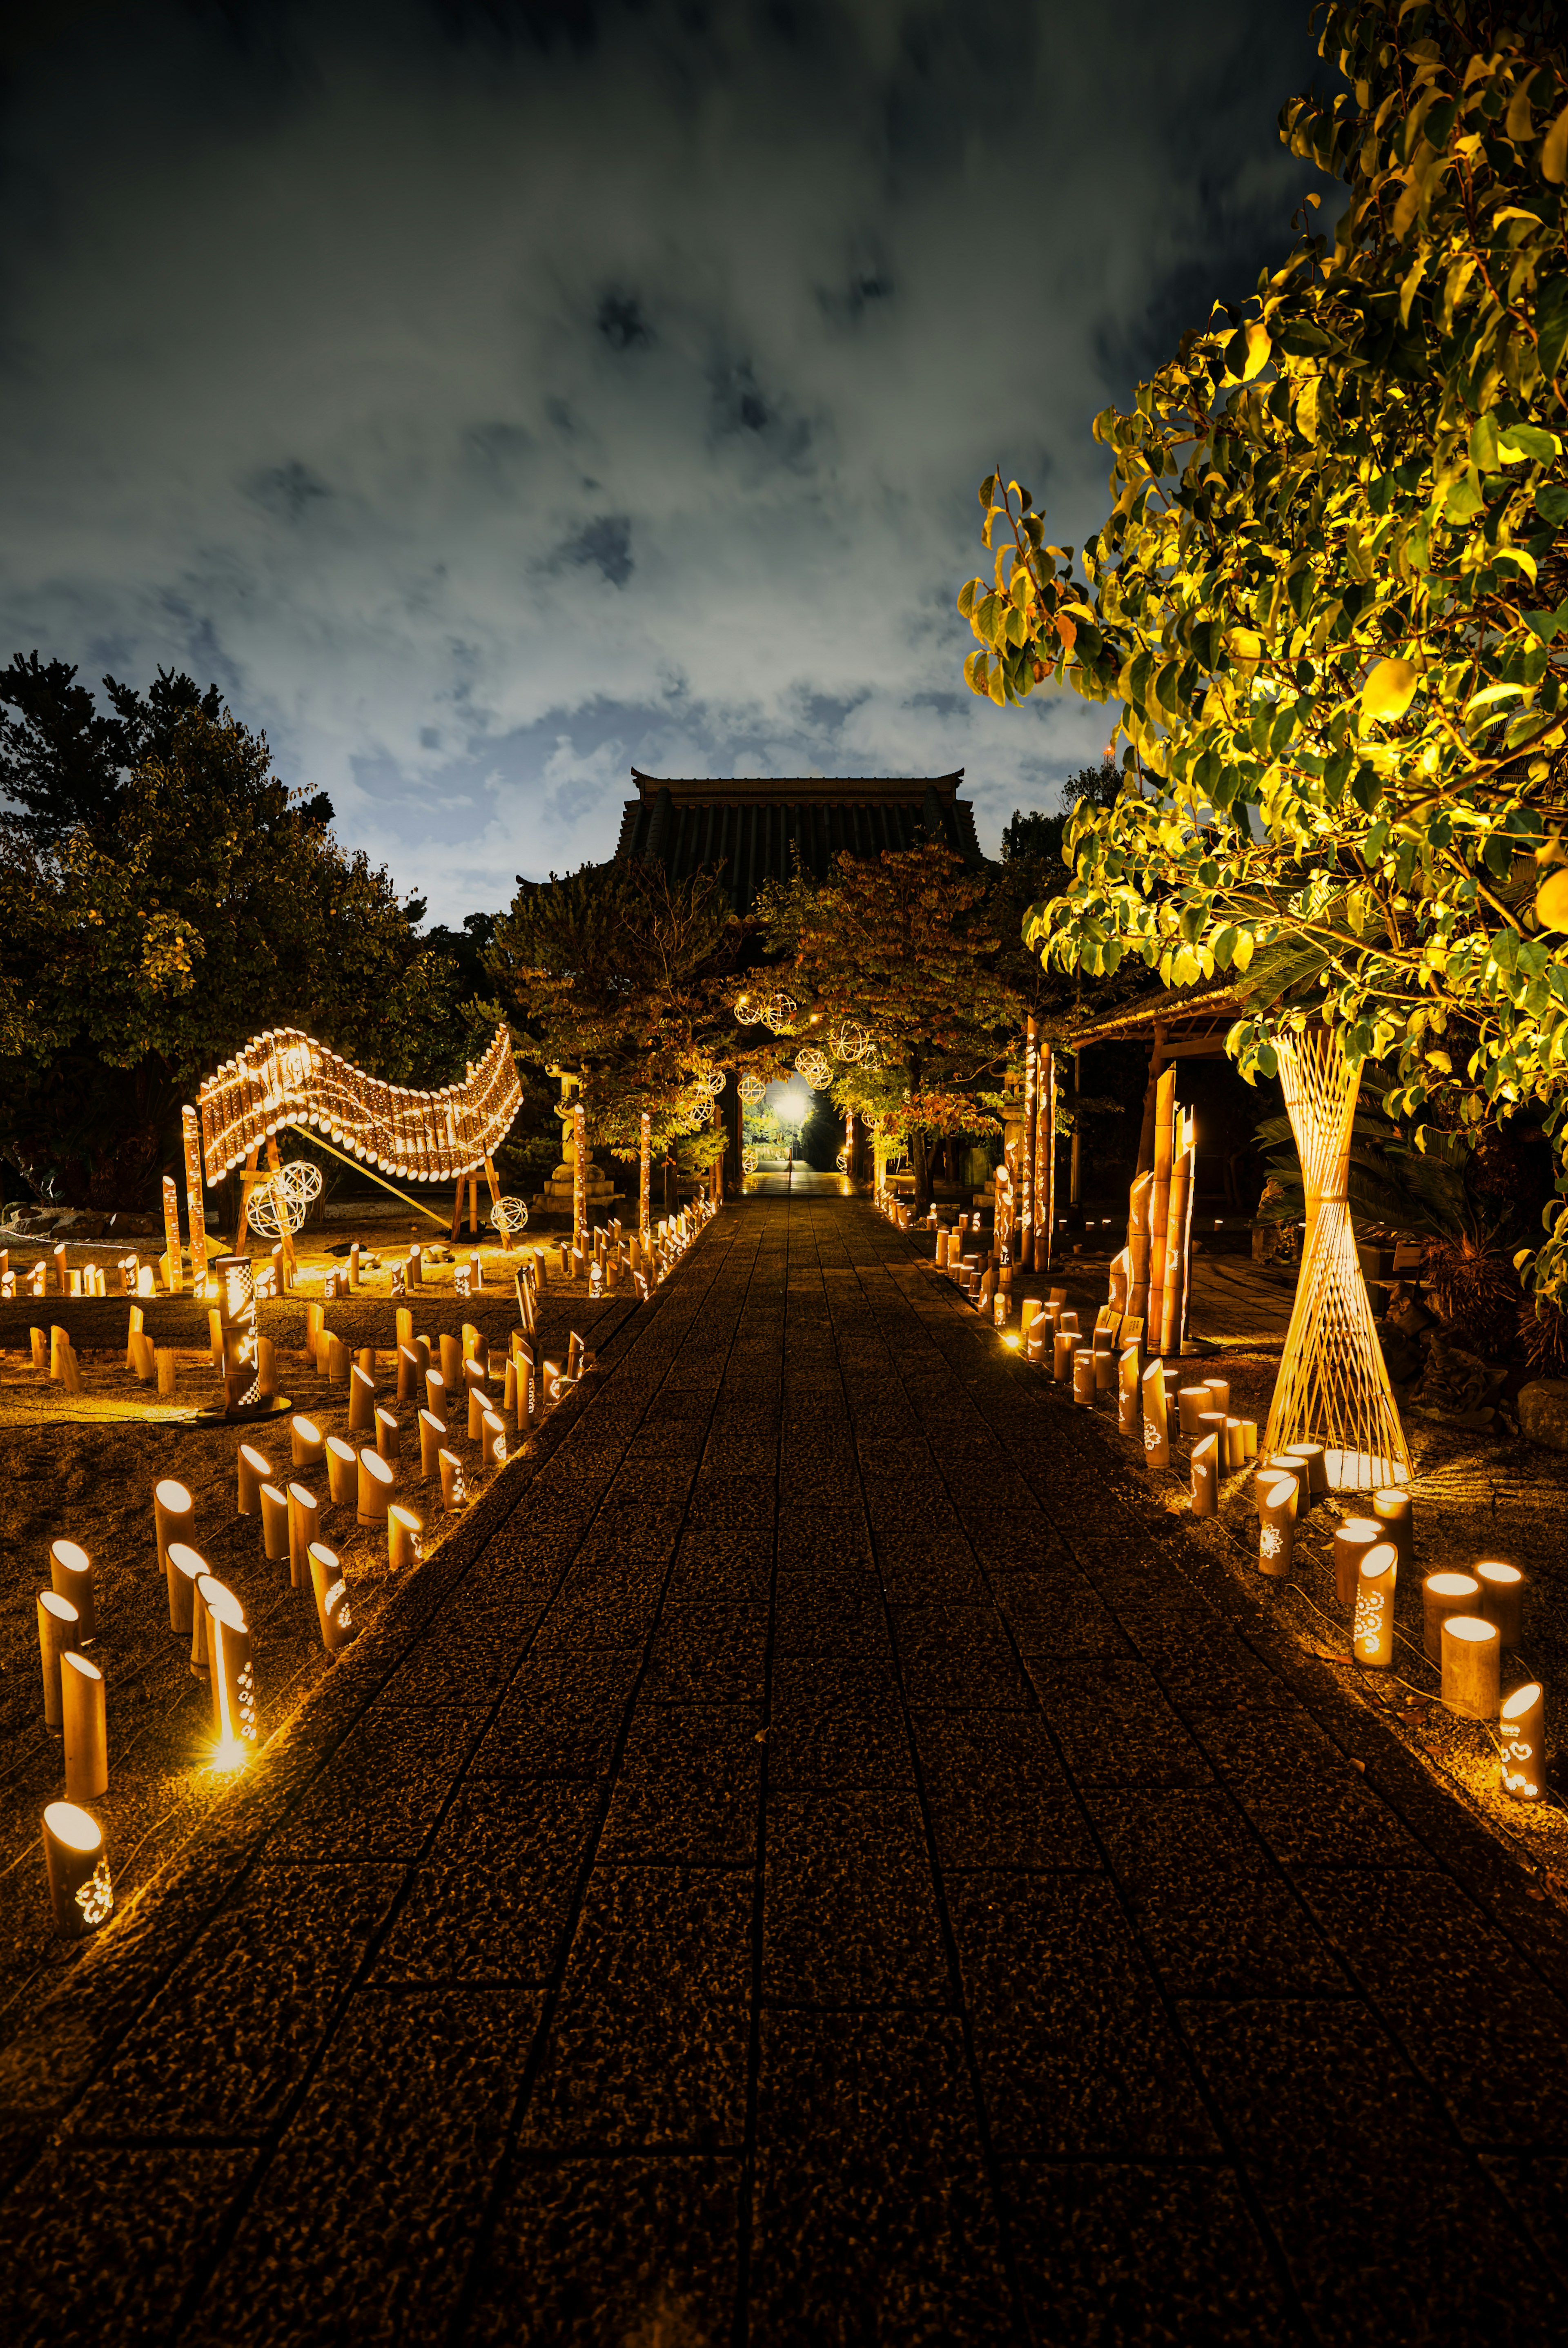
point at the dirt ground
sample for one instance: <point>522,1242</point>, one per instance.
<point>84,1467</point>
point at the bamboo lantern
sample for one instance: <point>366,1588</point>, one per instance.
<point>1138,1246</point>
<point>313,1318</point>
<point>361,1402</point>
<point>1277,1499</point>
<point>1212,1422</point>
<point>404,1330</point>
<point>1105,1367</point>
<point>1192,1402</point>
<point>61,1275</point>
<point>234,1723</point>
<point>308,1445</point>
<point>354,1267</point>
<point>173,1515</point>
<point>1083,1373</point>
<point>1205,1477</point>
<point>1444,1595</point>
<point>492,1441</point>
<point>1156,1421</point>
<point>1065,1347</point>
<point>508,1393</point>
<point>274,1525</point>
<point>1332,1381</point>
<point>187,1567</point>
<point>452,1362</point>
<point>80,1891</point>
<point>1249,1438</point>
<point>1129,1405</point>
<point>1502,1597</point>
<point>338,1363</point>
<point>266,1370</point>
<point>71,1576</point>
<point>85,1728</point>
<point>40,1349</point>
<point>304,1523</point>
<point>1066,1318</point>
<point>59,1630</point>
<point>1172,1330</point>
<point>163,1369</point>
<point>1395,1511</point>
<point>432,1435</point>
<point>436,1392</point>
<point>388,1440</point>
<point>1372,1624</point>
<point>366,1359</point>
<point>1471,1658</point>
<point>171,1234</point>
<point>1316,1465</point>
<point>58,1343</point>
<point>1354,1538</point>
<point>1160,1197</point>
<point>454,1492</point>
<point>403,1531</point>
<point>1028,1313</point>
<point>254,1471</point>
<point>376,1481</point>
<point>1219,1392</point>
<point>422,1352</point>
<point>1120,1281</point>
<point>1236,1444</point>
<point>1523,1726</point>
<point>942,1250</point>
<point>408,1373</point>
<point>342,1472</point>
<point>332,1609</point>
<point>415,1266</point>
<point>144,1357</point>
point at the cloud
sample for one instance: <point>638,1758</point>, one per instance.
<point>492,397</point>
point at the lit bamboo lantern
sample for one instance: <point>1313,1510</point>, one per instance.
<point>71,1576</point>
<point>163,1370</point>
<point>1354,1538</point>
<point>422,1354</point>
<point>436,1396</point>
<point>942,1250</point>
<point>1105,1366</point>
<point>1372,1624</point>
<point>1472,1660</point>
<point>80,1891</point>
<point>492,1441</point>
<point>365,1359</point>
<point>85,1722</point>
<point>314,1319</point>
<point>452,1362</point>
<point>215,1336</point>
<point>432,1435</point>
<point>1317,1461</point>
<point>254,1471</point>
<point>1156,1420</point>
<point>550,1384</point>
<point>61,1274</point>
<point>354,1266</point>
<point>1444,1595</point>
<point>416,1265</point>
<point>342,1471</point>
<point>1284,1463</point>
<point>1192,1402</point>
<point>1502,1597</point>
<point>508,1393</point>
<point>454,1491</point>
<point>59,1630</point>
<point>388,1440</point>
<point>1522,1726</point>
<point>1064,1348</point>
<point>187,1567</point>
<point>40,1349</point>
<point>337,1362</point>
<point>266,1369</point>
<point>408,1373</point>
<point>1212,1422</point>
<point>1219,1394</point>
<point>307,1441</point>
<point>274,1525</point>
<point>1129,1405</point>
<point>332,1608</point>
<point>1068,1318</point>
<point>1234,1446</point>
<point>403,1531</point>
<point>173,1517</point>
<point>304,1523</point>
<point>1395,1513</point>
<point>1205,1477</point>
<point>375,1481</point>
<point>1028,1313</point>
<point>234,1720</point>
<point>58,1340</point>
<point>1278,1498</point>
<point>1249,1438</point>
<point>361,1402</point>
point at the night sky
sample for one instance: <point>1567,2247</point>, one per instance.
<point>493,397</point>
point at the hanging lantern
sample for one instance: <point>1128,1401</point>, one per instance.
<point>751,1089</point>
<point>815,1067</point>
<point>849,1041</point>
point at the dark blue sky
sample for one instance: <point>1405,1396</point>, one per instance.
<point>491,396</point>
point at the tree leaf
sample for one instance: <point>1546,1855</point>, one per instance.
<point>1550,322</point>
<point>1389,690</point>
<point>1555,151</point>
<point>1258,351</point>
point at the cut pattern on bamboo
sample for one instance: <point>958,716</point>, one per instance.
<point>1333,1387</point>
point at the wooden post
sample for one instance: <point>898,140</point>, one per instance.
<point>1159,1205</point>
<point>579,1178</point>
<point>1027,1164</point>
<point>171,1234</point>
<point>495,1202</point>
<point>195,1212</point>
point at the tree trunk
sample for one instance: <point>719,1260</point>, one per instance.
<point>920,1163</point>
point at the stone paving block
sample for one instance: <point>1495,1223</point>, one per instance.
<point>918,1572</point>
<point>1115,2252</point>
<point>721,1568</point>
<point>833,1610</point>
<point>818,1536</point>
<point>708,1655</point>
<point>1015,1541</point>
<point>997,1793</point>
<point>689,1788</point>
<point>1057,1614</point>
<point>1334,1820</point>
<point>383,1790</point>
<point>958,1655</point>
<point>874,2218</point>
<point>1078,2058</point>
<point>836,1720</point>
<point>492,1898</point>
<point>1114,1726</point>
<point>732,1503</point>
<point>1534,2189</point>
<point>850,1914</point>
<point>583,2252</point>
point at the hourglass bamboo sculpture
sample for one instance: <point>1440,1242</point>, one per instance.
<point>1333,1386</point>
<point>1149,1278</point>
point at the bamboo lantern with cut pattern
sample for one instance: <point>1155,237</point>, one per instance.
<point>1277,1499</point>
<point>332,1612</point>
<point>1205,1477</point>
<point>1471,1662</point>
<point>1333,1386</point>
<point>81,1894</point>
<point>454,1491</point>
<point>432,1435</point>
<point>403,1539</point>
<point>1156,1421</point>
<point>1354,1538</point>
<point>1178,1240</point>
<point>1372,1624</point>
<point>235,1720</point>
<point>1082,1373</point>
<point>1128,1401</point>
<point>1522,1727</point>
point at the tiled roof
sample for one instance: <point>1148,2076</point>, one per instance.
<point>750,825</point>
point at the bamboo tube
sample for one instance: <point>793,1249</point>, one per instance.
<point>454,1492</point>
<point>338,1363</point>
<point>1212,1423</point>
<point>1066,1318</point>
<point>308,1445</point>
<point>1219,1392</point>
<point>1521,1725</point>
<point>305,1521</point>
<point>1471,1657</point>
<point>361,1402</point>
<point>1395,1513</point>
<point>254,1471</point>
<point>422,1355</point>
<point>1442,1595</point>
<point>85,1729</point>
<point>1065,1347</point>
<point>215,1336</point>
<point>1120,1280</point>
<point>1316,1465</point>
<point>1129,1403</point>
<point>353,1267</point>
<point>40,1349</point>
<point>549,1385</point>
<point>1277,1499</point>
<point>436,1394</point>
<point>1105,1363</point>
<point>1178,1225</point>
<point>71,1576</point>
<point>143,1357</point>
<point>1138,1246</point>
<point>452,1362</point>
<point>314,1320</point>
<point>274,1525</point>
<point>186,1567</point>
<point>492,1441</point>
<point>164,1369</point>
<point>60,1628</point>
<point>58,1343</point>
<point>1205,1477</point>
<point>266,1369</point>
<point>1249,1438</point>
<point>365,1359</point>
<point>509,1391</point>
<point>478,1409</point>
<point>235,1721</point>
<point>1355,1536</point>
<point>1192,1402</point>
<point>342,1472</point>
<point>408,1373</point>
<point>80,1892</point>
<point>333,1612</point>
<point>375,1481</point>
<point>1156,1421</point>
<point>1372,1624</point>
<point>1235,1450</point>
<point>173,1515</point>
<point>1502,1597</point>
<point>403,1544</point>
<point>389,1440</point>
<point>432,1435</point>
<point>1083,1374</point>
<point>61,1275</point>
<point>1160,1196</point>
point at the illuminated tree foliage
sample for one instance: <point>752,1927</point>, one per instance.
<point>1331,599</point>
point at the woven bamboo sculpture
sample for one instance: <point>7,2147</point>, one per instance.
<point>1332,1388</point>
<point>1149,1280</point>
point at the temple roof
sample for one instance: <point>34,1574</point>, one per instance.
<point>749,824</point>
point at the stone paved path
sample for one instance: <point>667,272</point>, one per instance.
<point>817,1863</point>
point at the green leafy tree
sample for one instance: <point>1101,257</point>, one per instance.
<point>1330,604</point>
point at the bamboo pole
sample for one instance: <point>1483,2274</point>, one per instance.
<point>195,1212</point>
<point>1026,1170</point>
<point>1160,1202</point>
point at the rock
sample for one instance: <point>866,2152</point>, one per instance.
<point>1543,1412</point>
